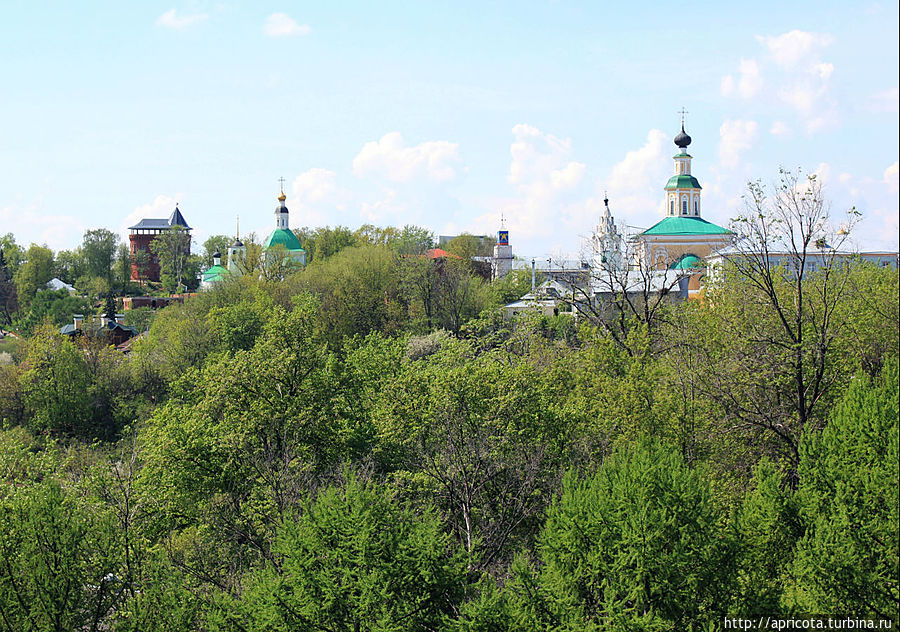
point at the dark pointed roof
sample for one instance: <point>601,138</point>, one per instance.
<point>177,219</point>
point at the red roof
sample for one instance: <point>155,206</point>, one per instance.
<point>440,253</point>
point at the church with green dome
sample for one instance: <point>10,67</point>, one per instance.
<point>282,242</point>
<point>280,249</point>
<point>682,240</point>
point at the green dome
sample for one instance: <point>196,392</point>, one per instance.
<point>687,262</point>
<point>683,182</point>
<point>283,237</point>
<point>685,226</point>
<point>214,274</point>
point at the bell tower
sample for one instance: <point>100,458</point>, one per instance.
<point>682,189</point>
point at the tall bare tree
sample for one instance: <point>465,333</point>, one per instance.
<point>780,289</point>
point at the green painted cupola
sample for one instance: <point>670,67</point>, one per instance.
<point>682,189</point>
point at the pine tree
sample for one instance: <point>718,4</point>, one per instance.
<point>8,300</point>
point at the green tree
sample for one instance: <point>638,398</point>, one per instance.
<point>786,284</point>
<point>476,436</point>
<point>636,546</point>
<point>55,306</point>
<point>850,501</point>
<point>172,249</point>
<point>413,240</point>
<point>375,235</point>
<point>769,526</point>
<point>357,290</point>
<point>9,303</point>
<point>215,243</point>
<point>357,558</point>
<point>56,385</point>
<point>34,273</point>
<point>12,251</point>
<point>69,265</point>
<point>467,246</point>
<point>142,260</point>
<point>123,266</point>
<point>99,251</point>
<point>325,241</point>
<point>59,562</point>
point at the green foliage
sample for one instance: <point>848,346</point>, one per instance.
<point>99,250</point>
<point>323,242</point>
<point>637,546</point>
<point>9,301</point>
<point>69,265</point>
<point>34,273</point>
<point>54,306</point>
<point>59,569</point>
<point>216,243</point>
<point>769,526</point>
<point>850,501</point>
<point>238,325</point>
<point>467,246</point>
<point>140,318</point>
<point>221,507</point>
<point>388,566</point>
<point>357,290</point>
<point>56,385</point>
<point>12,252</point>
<point>172,249</point>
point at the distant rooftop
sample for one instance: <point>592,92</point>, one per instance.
<point>175,219</point>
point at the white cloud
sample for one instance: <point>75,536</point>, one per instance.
<point>634,185</point>
<point>283,25</point>
<point>798,76</point>
<point>171,20</point>
<point>316,198</point>
<point>736,137</point>
<point>378,211</point>
<point>780,128</point>
<point>749,83</point>
<point>890,177</point>
<point>551,198</point>
<point>389,158</point>
<point>884,101</point>
<point>795,48</point>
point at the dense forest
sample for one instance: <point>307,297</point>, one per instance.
<point>368,444</point>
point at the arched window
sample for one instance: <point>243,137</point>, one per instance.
<point>696,207</point>
<point>684,208</point>
<point>672,207</point>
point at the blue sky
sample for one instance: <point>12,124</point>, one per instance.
<point>439,114</point>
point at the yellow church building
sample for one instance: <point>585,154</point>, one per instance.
<point>682,239</point>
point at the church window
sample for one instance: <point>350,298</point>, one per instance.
<point>672,207</point>
<point>684,208</point>
<point>696,207</point>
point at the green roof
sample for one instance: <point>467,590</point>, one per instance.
<point>683,182</point>
<point>687,262</point>
<point>685,226</point>
<point>215,273</point>
<point>283,237</point>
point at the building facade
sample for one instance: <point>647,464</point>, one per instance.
<point>140,237</point>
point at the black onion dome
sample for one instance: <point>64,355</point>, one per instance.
<point>682,140</point>
<point>217,254</point>
<point>237,243</point>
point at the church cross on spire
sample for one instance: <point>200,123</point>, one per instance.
<point>281,181</point>
<point>683,111</point>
